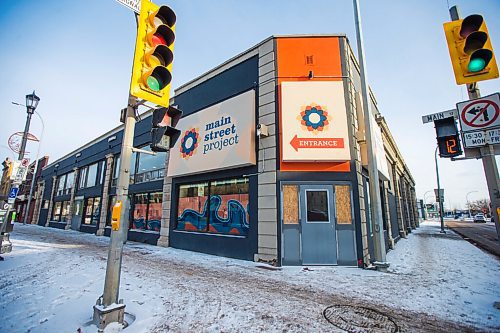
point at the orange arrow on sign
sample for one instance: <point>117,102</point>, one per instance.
<point>316,143</point>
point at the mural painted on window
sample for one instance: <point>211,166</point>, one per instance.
<point>214,207</point>
<point>147,211</point>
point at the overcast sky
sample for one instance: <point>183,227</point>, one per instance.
<point>77,55</point>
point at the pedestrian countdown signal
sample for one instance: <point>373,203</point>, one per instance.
<point>470,50</point>
<point>152,71</point>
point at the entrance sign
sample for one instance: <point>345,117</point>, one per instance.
<point>480,114</point>
<point>219,137</point>
<point>313,115</point>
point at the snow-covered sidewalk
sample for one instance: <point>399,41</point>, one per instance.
<point>52,278</point>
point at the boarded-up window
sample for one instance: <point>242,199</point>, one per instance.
<point>290,204</point>
<point>343,204</point>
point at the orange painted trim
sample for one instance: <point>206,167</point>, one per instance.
<point>295,58</point>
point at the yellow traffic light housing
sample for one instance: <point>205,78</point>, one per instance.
<point>152,71</point>
<point>470,49</point>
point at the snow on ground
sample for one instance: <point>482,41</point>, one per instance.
<point>52,278</point>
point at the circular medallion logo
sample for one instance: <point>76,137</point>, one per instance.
<point>314,118</point>
<point>189,143</point>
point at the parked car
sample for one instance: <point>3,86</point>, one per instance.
<point>479,218</point>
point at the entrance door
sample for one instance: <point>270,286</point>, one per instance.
<point>76,220</point>
<point>319,241</point>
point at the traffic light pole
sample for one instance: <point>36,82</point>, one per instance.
<point>440,199</point>
<point>375,200</point>
<point>109,308</point>
<point>487,153</point>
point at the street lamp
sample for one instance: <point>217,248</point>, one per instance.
<point>467,198</point>
<point>31,104</point>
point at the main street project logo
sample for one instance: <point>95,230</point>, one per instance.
<point>314,118</point>
<point>189,143</point>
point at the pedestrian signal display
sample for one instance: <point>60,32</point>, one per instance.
<point>470,50</point>
<point>164,135</point>
<point>448,137</point>
<point>154,54</point>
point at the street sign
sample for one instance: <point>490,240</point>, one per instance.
<point>13,192</point>
<point>480,114</point>
<point>440,115</point>
<point>481,138</point>
<point>25,162</point>
<point>135,5</point>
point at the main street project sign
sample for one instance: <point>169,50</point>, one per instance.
<point>480,121</point>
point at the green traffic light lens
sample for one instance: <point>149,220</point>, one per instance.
<point>476,65</point>
<point>153,83</point>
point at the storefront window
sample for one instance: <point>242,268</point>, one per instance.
<point>92,211</point>
<point>65,211</point>
<point>116,170</point>
<point>150,167</point>
<point>147,211</point>
<point>61,180</point>
<point>92,175</point>
<point>228,211</point>
<point>140,211</point>
<point>103,168</point>
<point>70,181</point>
<point>56,212</point>
<point>154,211</point>
<point>83,177</point>
<point>60,211</point>
<point>192,211</point>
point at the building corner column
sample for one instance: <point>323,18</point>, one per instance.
<point>51,203</point>
<point>105,195</point>
<point>39,202</point>
<point>165,207</point>
<point>70,214</point>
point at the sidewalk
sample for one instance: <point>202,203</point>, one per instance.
<point>436,283</point>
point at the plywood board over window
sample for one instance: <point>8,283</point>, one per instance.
<point>343,204</point>
<point>290,204</point>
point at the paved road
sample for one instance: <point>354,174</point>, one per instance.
<point>483,235</point>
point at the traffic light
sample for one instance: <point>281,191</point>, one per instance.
<point>448,137</point>
<point>470,49</point>
<point>152,71</point>
<point>164,135</point>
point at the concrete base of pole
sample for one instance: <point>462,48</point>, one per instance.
<point>113,313</point>
<point>6,245</point>
<point>381,266</point>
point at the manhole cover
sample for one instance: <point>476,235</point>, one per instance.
<point>357,319</point>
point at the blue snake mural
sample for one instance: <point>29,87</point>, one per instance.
<point>236,223</point>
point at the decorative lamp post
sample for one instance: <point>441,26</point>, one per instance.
<point>31,104</point>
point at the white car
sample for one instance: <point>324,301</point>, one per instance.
<point>479,218</point>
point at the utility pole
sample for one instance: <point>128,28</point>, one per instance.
<point>487,152</point>
<point>375,201</point>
